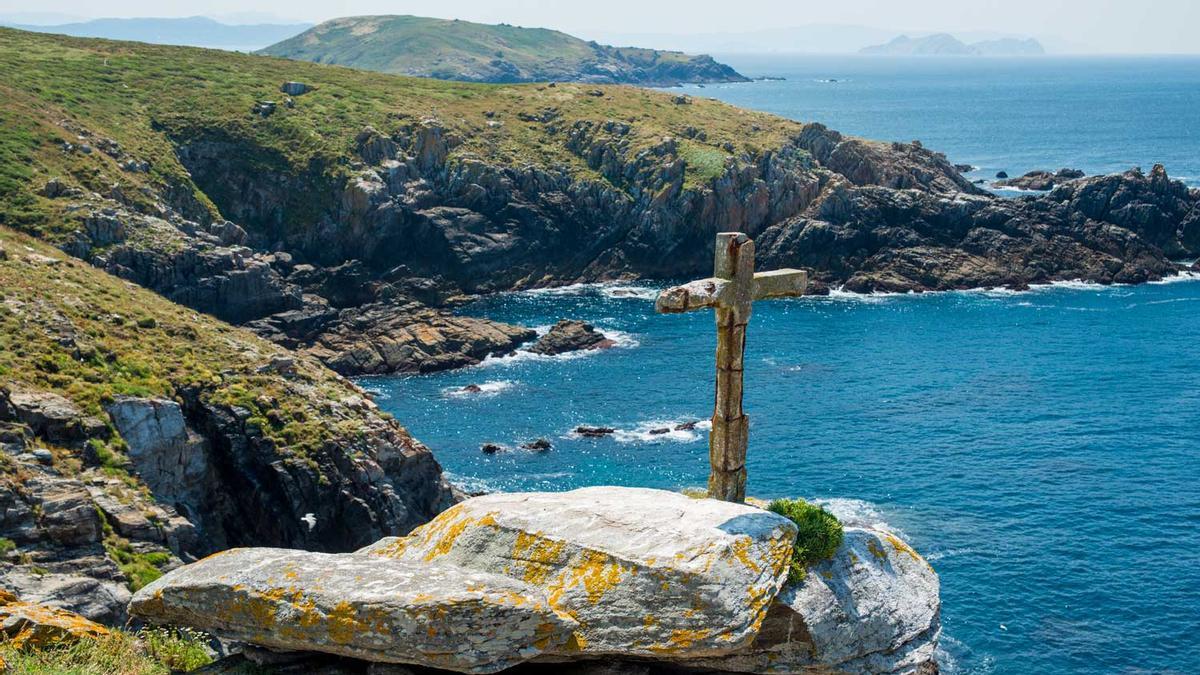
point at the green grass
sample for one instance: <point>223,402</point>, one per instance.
<point>146,652</point>
<point>455,49</point>
<point>154,99</point>
<point>819,536</point>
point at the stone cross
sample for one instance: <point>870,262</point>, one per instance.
<point>731,291</point>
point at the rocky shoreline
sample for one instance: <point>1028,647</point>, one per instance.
<point>418,230</point>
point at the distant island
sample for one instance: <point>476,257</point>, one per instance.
<point>944,44</point>
<point>193,31</point>
<point>473,52</point>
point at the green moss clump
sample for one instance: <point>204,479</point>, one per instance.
<point>820,534</point>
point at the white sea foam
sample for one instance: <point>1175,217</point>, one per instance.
<point>620,338</point>
<point>490,388</point>
<point>667,431</point>
<point>616,290</point>
<point>1184,276</point>
<point>875,297</point>
<point>637,292</point>
<point>857,513</point>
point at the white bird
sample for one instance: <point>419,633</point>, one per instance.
<point>311,519</point>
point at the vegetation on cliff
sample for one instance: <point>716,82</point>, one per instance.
<point>818,537</point>
<point>474,52</point>
<point>152,100</point>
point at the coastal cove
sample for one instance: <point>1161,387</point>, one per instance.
<point>1034,446</point>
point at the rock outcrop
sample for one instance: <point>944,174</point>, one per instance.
<point>1041,181</point>
<point>27,625</point>
<point>873,608</point>
<point>571,336</point>
<point>385,611</point>
<point>598,573</point>
<point>701,571</point>
<point>387,338</point>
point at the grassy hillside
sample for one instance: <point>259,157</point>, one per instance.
<point>151,99</point>
<point>69,328</point>
<point>461,50</point>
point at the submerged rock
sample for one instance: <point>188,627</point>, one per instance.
<point>646,573</point>
<point>571,336</point>
<point>595,432</point>
<point>371,608</point>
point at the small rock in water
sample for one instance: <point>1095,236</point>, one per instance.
<point>1002,174</point>
<point>491,448</point>
<point>540,445</point>
<point>687,426</point>
<point>659,432</point>
<point>471,389</point>
<point>570,336</point>
<point>595,432</point>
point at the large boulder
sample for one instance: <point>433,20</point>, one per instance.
<point>384,611</point>
<point>646,573</point>
<point>873,608</point>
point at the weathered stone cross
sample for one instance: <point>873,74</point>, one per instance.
<point>731,292</point>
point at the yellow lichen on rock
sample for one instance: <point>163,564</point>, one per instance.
<point>28,625</point>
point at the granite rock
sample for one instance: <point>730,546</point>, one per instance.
<point>646,573</point>
<point>379,610</point>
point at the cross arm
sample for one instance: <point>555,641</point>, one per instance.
<point>694,295</point>
<point>780,284</point>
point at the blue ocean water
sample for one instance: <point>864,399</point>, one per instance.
<point>1040,448</point>
<point>1099,114</point>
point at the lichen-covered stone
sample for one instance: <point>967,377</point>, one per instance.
<point>25,624</point>
<point>646,573</point>
<point>873,608</point>
<point>388,611</point>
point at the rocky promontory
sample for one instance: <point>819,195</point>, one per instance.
<point>608,574</point>
<point>475,52</point>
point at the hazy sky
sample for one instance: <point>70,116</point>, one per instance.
<point>1118,25</point>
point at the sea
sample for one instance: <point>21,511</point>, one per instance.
<point>1040,448</point>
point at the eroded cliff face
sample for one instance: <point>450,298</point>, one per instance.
<point>866,215</point>
<point>352,270</point>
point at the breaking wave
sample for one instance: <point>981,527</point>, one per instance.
<point>490,388</point>
<point>659,431</point>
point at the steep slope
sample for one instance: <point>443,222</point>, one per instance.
<point>135,433</point>
<point>474,52</point>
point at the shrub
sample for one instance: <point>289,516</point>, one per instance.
<point>819,536</point>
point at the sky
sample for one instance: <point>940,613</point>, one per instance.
<point>1113,26</point>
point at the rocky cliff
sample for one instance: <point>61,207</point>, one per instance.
<point>136,434</point>
<point>347,219</point>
